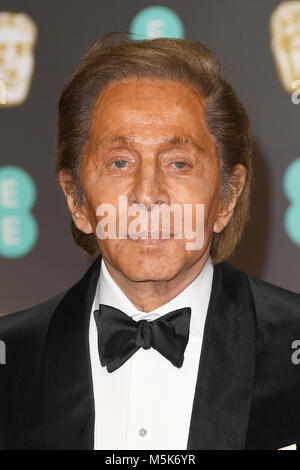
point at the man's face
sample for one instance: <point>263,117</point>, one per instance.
<point>131,153</point>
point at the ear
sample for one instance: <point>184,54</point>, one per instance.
<point>236,185</point>
<point>79,214</point>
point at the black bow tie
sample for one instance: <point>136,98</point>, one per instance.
<point>119,337</point>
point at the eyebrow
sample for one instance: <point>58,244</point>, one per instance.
<point>127,140</point>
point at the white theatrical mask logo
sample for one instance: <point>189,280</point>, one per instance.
<point>285,42</point>
<point>17,41</point>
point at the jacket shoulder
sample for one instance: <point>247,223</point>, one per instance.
<point>275,302</point>
<point>269,299</point>
<point>26,322</point>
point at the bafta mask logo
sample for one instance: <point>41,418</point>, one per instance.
<point>17,41</point>
<point>285,43</point>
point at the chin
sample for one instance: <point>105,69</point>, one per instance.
<point>148,272</point>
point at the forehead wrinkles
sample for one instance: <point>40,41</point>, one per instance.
<point>147,89</point>
<point>148,114</point>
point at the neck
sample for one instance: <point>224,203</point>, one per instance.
<point>149,295</point>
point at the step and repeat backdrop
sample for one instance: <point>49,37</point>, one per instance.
<point>41,44</point>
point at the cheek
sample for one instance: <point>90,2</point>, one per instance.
<point>97,191</point>
<point>101,188</point>
<point>103,205</point>
<point>194,191</point>
<point>199,199</point>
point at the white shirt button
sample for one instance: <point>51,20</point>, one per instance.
<point>143,432</point>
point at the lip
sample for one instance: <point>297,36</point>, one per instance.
<point>151,242</point>
<point>152,237</point>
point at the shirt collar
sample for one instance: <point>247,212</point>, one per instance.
<point>196,295</point>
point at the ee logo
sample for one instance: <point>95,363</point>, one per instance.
<point>18,227</point>
<point>291,184</point>
<point>156,22</point>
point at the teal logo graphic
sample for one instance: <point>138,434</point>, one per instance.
<point>18,227</point>
<point>291,184</point>
<point>156,22</point>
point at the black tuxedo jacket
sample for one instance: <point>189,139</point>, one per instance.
<point>247,394</point>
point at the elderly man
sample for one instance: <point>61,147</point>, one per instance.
<point>162,344</point>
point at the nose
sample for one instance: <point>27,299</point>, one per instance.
<point>149,187</point>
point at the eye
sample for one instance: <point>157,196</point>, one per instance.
<point>180,165</point>
<point>119,163</point>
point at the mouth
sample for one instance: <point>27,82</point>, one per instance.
<point>151,239</point>
<point>151,236</point>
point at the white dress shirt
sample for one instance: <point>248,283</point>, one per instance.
<point>147,402</point>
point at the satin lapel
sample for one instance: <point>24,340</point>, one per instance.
<point>68,390</point>
<point>226,370</point>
